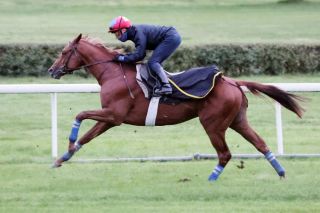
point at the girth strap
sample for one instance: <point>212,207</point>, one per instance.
<point>152,111</point>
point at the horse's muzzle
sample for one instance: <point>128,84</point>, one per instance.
<point>56,73</point>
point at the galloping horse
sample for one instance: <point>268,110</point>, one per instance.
<point>122,101</point>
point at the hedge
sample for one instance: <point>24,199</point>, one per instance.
<point>234,60</point>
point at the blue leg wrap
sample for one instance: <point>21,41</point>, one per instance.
<point>216,172</point>
<point>275,163</point>
<point>74,131</point>
<point>67,156</point>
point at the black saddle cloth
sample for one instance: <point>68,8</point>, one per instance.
<point>195,83</point>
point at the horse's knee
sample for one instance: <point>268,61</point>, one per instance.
<point>224,158</point>
<point>81,116</point>
<point>105,115</point>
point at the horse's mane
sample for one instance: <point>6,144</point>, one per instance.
<point>97,42</point>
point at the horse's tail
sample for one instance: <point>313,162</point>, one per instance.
<point>286,99</point>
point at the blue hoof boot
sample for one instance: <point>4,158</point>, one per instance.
<point>67,156</point>
<point>216,172</point>
<point>275,164</point>
<point>282,173</point>
<point>213,177</point>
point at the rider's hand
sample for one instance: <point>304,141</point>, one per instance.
<point>119,58</point>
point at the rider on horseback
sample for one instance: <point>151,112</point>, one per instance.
<point>161,39</point>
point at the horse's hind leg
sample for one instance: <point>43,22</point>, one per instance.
<point>216,127</point>
<point>216,114</point>
<point>217,138</point>
<point>241,125</point>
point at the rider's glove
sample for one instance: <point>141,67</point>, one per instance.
<point>119,58</point>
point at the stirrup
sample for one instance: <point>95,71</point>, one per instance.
<point>166,89</point>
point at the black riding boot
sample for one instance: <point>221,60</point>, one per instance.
<point>165,87</point>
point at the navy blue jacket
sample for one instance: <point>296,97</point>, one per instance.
<point>145,37</point>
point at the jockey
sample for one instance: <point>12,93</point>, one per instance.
<point>161,39</point>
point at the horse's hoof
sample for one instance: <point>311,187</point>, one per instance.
<point>56,164</point>
<point>282,174</point>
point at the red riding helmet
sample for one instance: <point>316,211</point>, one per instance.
<point>119,23</point>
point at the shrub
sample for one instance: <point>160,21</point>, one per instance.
<point>234,60</point>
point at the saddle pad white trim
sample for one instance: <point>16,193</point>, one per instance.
<point>173,73</point>
<point>139,80</point>
<point>152,111</point>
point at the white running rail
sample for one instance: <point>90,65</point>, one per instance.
<point>53,89</point>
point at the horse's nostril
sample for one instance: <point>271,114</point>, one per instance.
<point>50,70</point>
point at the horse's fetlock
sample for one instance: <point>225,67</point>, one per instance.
<point>116,123</point>
<point>224,158</point>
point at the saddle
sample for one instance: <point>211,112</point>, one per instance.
<point>195,83</point>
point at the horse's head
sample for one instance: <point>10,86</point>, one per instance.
<point>68,60</point>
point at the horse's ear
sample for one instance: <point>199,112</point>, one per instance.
<point>78,38</point>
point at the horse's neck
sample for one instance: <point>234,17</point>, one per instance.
<point>93,55</point>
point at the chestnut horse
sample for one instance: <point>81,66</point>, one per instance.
<point>123,101</point>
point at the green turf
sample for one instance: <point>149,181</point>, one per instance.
<point>159,187</point>
<point>199,22</point>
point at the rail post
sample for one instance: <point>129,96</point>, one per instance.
<point>54,125</point>
<point>279,129</point>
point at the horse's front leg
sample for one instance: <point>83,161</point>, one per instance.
<point>96,130</point>
<point>105,121</point>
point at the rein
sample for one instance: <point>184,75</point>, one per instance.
<point>126,81</point>
<point>92,64</point>
<point>69,71</point>
<point>66,70</point>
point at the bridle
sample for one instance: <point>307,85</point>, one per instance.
<point>73,51</point>
<point>65,70</point>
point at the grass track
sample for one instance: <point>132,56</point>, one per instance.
<point>157,187</point>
